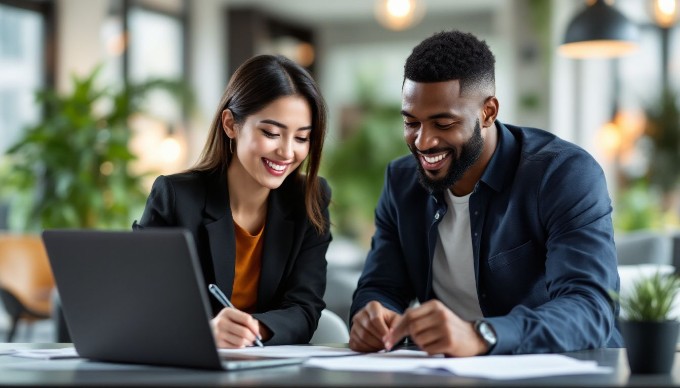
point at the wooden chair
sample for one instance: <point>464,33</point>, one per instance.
<point>26,280</point>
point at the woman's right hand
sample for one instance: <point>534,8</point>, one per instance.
<point>234,329</point>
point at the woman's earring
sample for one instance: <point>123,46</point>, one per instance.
<point>231,150</point>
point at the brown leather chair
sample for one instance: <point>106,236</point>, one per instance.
<point>26,280</point>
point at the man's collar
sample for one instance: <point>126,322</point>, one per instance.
<point>501,168</point>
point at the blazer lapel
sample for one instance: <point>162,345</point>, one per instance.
<point>278,239</point>
<point>220,228</point>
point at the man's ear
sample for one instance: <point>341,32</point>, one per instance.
<point>489,111</point>
<point>228,124</point>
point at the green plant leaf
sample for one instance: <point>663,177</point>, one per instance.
<point>651,299</point>
<point>52,175</point>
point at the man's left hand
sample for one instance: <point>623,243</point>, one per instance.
<point>437,330</point>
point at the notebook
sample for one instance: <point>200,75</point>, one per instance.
<point>139,297</point>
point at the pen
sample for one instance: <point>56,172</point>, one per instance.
<point>399,345</point>
<point>219,295</point>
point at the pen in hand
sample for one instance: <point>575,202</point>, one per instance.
<point>219,295</point>
<point>399,345</point>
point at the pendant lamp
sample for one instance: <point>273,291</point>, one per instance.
<point>599,31</point>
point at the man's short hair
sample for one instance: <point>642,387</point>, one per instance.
<point>453,55</point>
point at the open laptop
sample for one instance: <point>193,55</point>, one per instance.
<point>138,297</point>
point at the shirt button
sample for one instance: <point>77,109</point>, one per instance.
<point>436,216</point>
<point>476,212</point>
<point>475,234</point>
<point>483,296</point>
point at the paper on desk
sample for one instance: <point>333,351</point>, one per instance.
<point>292,351</point>
<point>46,354</point>
<point>491,367</point>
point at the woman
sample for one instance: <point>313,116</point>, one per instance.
<point>261,226</point>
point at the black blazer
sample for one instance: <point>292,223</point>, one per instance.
<point>293,275</point>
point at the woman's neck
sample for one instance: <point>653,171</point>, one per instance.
<point>247,199</point>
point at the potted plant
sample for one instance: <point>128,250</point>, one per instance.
<point>71,169</point>
<point>649,329</point>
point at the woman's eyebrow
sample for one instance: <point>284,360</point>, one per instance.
<point>283,126</point>
<point>274,122</point>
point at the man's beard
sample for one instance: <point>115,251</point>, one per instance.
<point>470,153</point>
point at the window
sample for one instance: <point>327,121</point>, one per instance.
<point>145,40</point>
<point>157,35</point>
<point>150,58</point>
<point>24,61</point>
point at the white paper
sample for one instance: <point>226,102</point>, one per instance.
<point>4,352</point>
<point>292,351</point>
<point>46,354</point>
<point>491,367</point>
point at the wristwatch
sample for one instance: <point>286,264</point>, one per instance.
<point>486,333</point>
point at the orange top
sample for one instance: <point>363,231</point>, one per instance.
<point>247,269</point>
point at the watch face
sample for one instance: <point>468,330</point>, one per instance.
<point>486,332</point>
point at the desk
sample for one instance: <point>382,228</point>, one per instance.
<point>28,372</point>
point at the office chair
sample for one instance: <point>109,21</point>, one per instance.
<point>17,311</point>
<point>26,280</point>
<point>62,335</point>
<point>644,247</point>
<point>331,329</point>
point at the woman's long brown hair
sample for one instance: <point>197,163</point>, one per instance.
<point>255,84</point>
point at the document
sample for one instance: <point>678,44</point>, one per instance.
<point>491,367</point>
<point>46,354</point>
<point>292,351</point>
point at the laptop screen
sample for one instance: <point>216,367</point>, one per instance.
<point>135,297</point>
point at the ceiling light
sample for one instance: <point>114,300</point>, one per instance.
<point>399,14</point>
<point>665,12</point>
<point>599,31</point>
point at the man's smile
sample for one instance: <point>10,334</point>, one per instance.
<point>433,161</point>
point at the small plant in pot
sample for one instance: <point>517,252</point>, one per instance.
<point>647,325</point>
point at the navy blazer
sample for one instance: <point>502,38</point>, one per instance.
<point>542,241</point>
<point>293,274</point>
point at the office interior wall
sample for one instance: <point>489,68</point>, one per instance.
<point>340,43</point>
<point>348,51</point>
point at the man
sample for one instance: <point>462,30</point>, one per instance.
<point>502,233</point>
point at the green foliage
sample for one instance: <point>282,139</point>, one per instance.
<point>651,299</point>
<point>637,208</point>
<point>540,18</point>
<point>355,168</point>
<point>663,127</point>
<point>72,169</point>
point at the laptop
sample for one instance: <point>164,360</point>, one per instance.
<point>139,297</point>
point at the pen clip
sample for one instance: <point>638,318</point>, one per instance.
<point>219,295</point>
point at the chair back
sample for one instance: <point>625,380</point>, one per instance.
<point>331,329</point>
<point>25,271</point>
<point>643,247</point>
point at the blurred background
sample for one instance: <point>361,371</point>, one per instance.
<point>98,97</point>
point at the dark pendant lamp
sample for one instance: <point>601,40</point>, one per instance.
<point>599,31</point>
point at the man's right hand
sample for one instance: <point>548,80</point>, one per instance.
<point>369,326</point>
